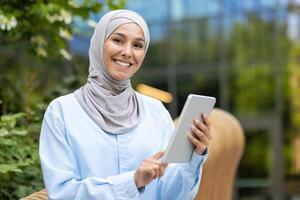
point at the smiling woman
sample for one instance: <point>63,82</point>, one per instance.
<point>105,140</point>
<point>124,51</point>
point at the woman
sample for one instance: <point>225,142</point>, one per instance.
<point>104,141</point>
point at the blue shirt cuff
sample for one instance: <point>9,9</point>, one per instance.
<point>196,162</point>
<point>124,186</point>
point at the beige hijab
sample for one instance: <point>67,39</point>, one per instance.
<point>112,104</point>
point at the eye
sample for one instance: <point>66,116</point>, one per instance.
<point>138,45</point>
<point>117,40</point>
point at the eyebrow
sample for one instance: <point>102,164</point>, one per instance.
<point>123,35</point>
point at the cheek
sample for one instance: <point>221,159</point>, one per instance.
<point>105,59</point>
<point>140,58</point>
<point>109,50</point>
<point>105,55</point>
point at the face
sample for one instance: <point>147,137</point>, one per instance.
<point>124,51</point>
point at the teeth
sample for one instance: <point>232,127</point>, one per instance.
<point>123,64</point>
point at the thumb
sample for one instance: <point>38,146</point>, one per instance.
<point>158,155</point>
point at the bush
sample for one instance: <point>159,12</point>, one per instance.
<point>20,172</point>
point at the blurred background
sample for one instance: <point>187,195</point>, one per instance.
<point>246,53</point>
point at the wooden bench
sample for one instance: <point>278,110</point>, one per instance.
<point>225,152</point>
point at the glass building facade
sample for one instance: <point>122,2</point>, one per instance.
<point>237,51</point>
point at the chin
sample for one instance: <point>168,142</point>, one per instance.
<point>120,77</point>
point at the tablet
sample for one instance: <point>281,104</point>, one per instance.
<point>180,149</point>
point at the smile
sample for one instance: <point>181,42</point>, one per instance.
<point>122,63</point>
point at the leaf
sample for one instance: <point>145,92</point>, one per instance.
<point>116,4</point>
<point>8,121</point>
<point>12,117</point>
<point>97,7</point>
<point>4,168</point>
<point>3,132</point>
<point>7,142</point>
<point>19,132</point>
<point>22,190</point>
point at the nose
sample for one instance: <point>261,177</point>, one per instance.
<point>127,51</point>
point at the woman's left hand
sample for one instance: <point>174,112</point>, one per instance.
<point>200,134</point>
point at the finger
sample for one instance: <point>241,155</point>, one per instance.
<point>151,171</point>
<point>200,147</point>
<point>156,168</point>
<point>201,125</point>
<point>163,168</point>
<point>158,155</point>
<point>150,167</point>
<point>165,164</point>
<point>199,135</point>
<point>151,164</point>
<point>205,119</point>
<point>192,139</point>
<point>152,161</point>
<point>161,171</point>
<point>196,141</point>
<point>204,128</point>
<point>155,164</point>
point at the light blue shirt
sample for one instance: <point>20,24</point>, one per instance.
<point>81,161</point>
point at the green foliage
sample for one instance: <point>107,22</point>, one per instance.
<point>116,4</point>
<point>294,89</point>
<point>252,50</point>
<point>44,25</point>
<point>19,163</point>
<point>256,158</point>
<point>20,172</point>
<point>251,80</point>
<point>193,43</point>
<point>34,37</point>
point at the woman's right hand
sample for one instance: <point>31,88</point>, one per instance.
<point>150,169</point>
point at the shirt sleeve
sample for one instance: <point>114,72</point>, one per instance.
<point>61,175</point>
<point>181,181</point>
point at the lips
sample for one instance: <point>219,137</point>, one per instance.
<point>122,63</point>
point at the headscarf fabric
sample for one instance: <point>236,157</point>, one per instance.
<point>112,104</point>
